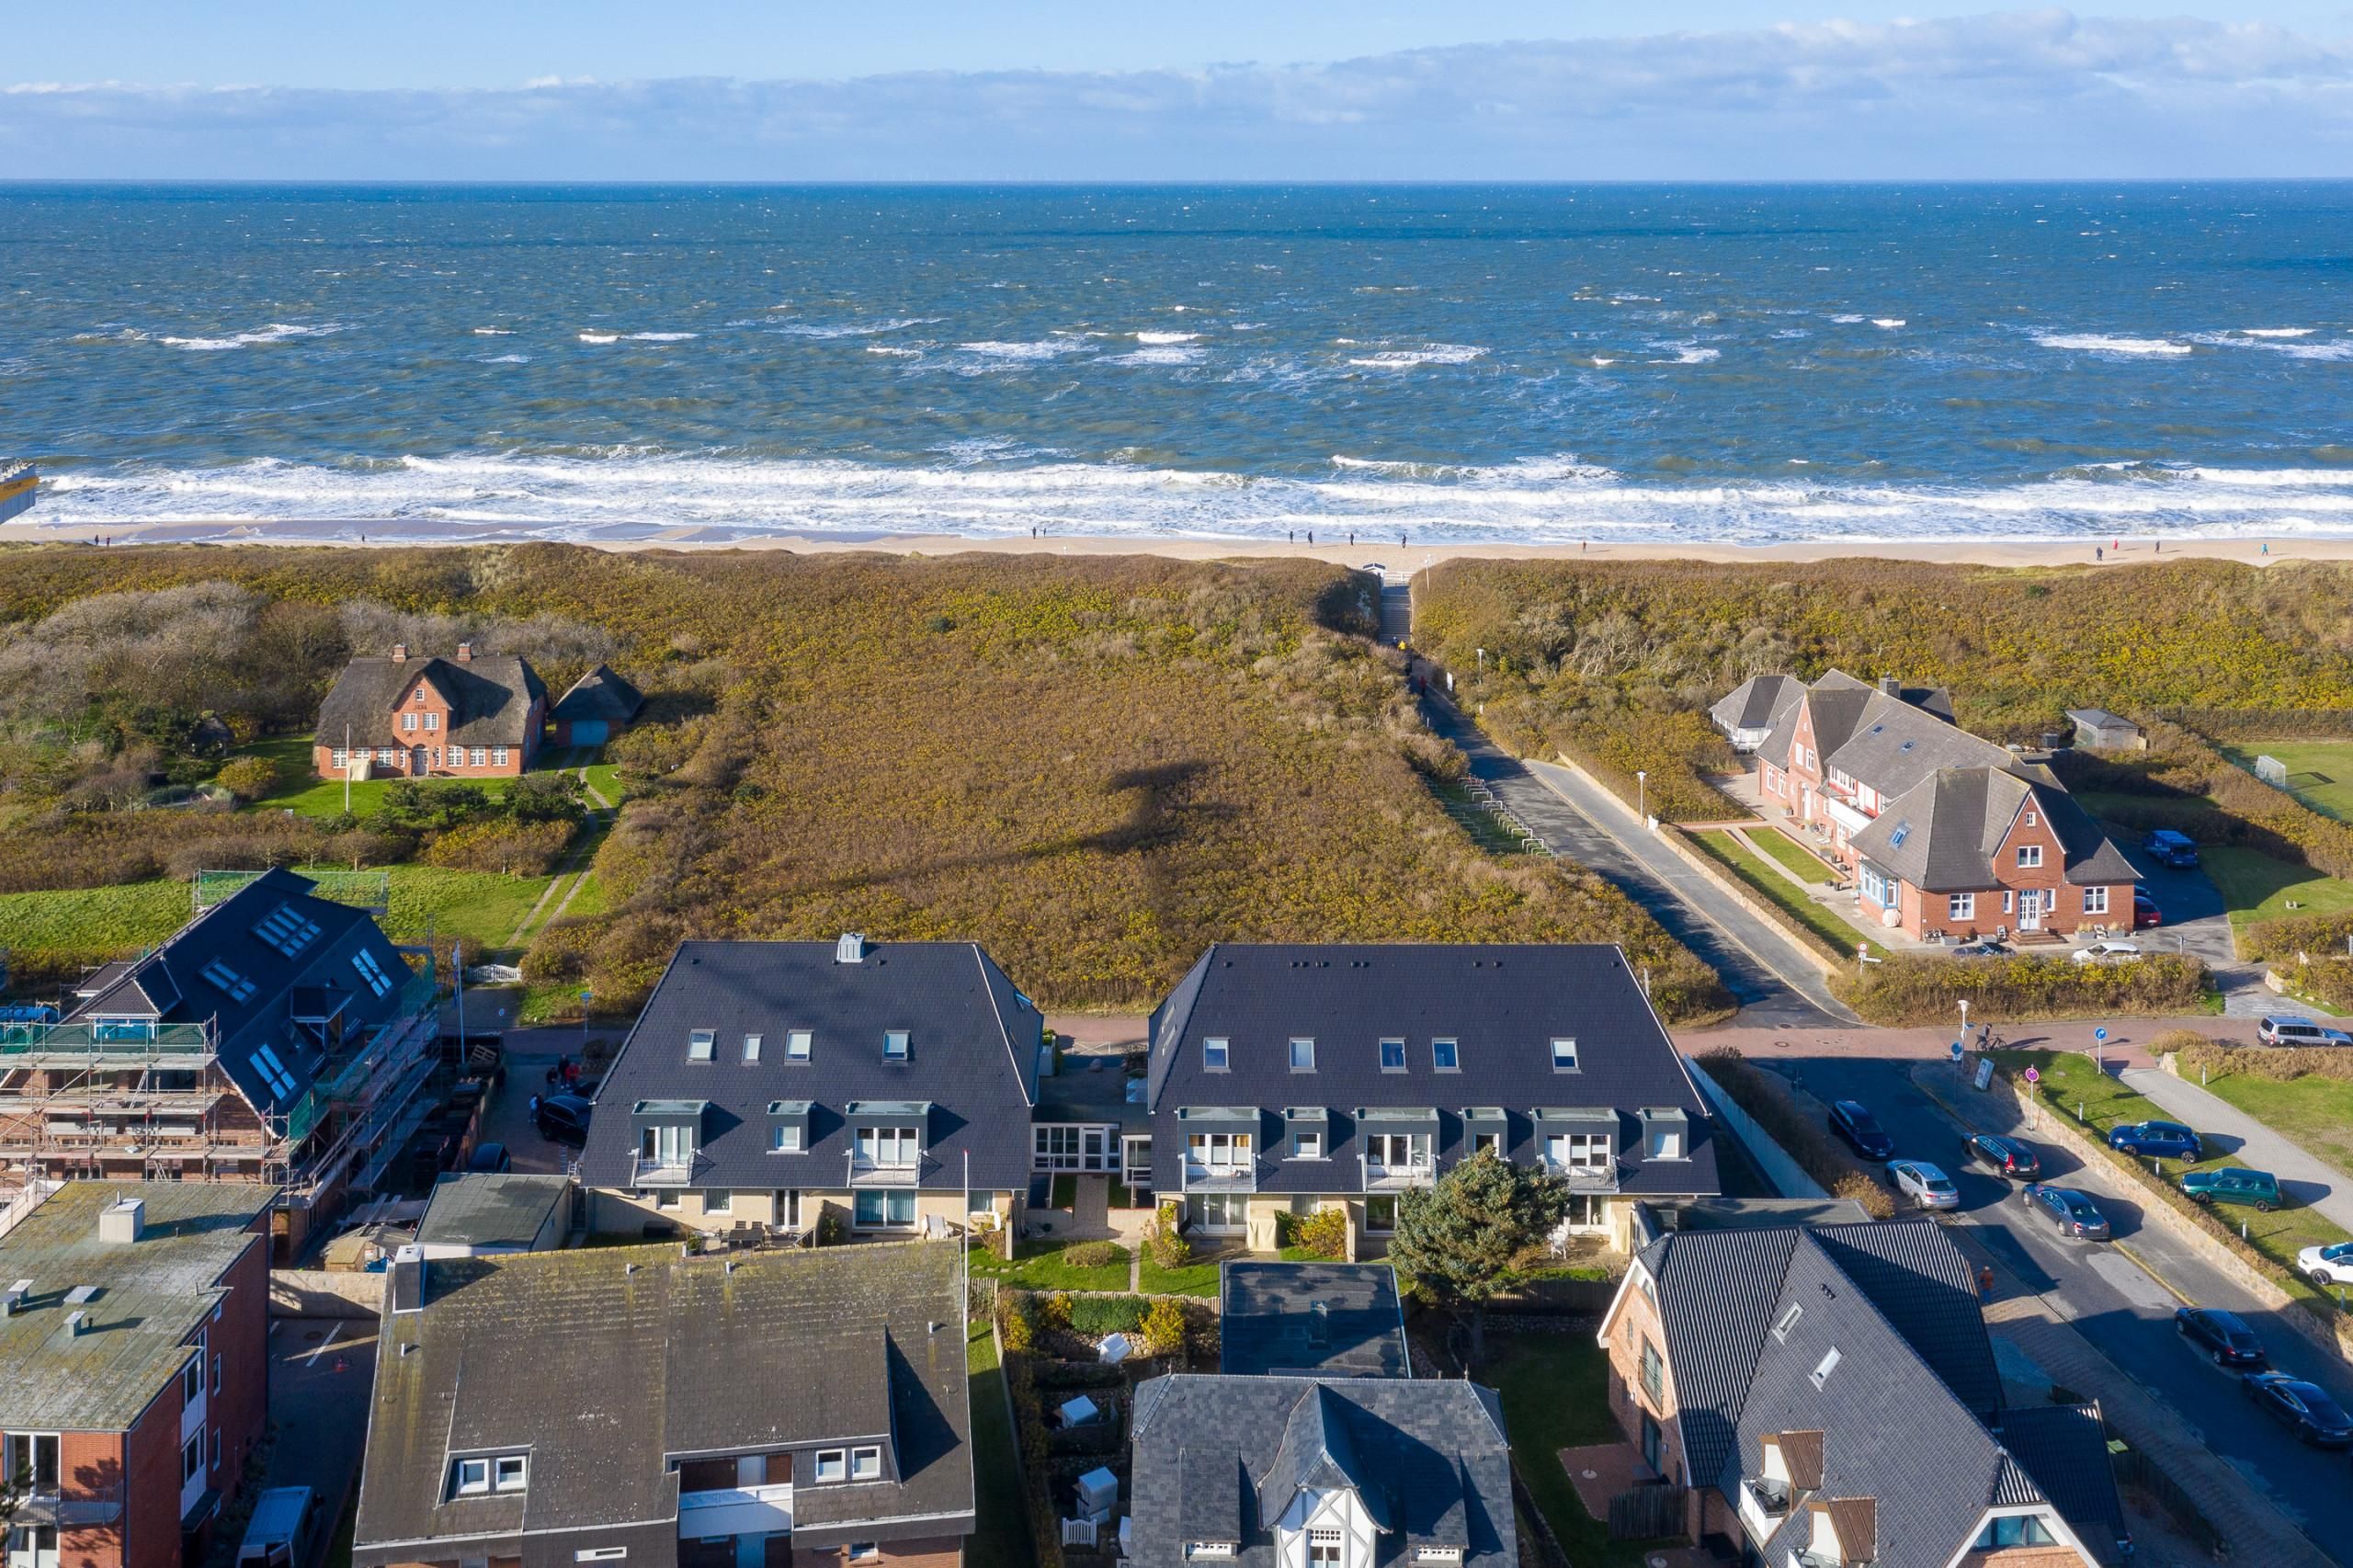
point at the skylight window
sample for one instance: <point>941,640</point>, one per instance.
<point>1823,1367</point>
<point>797,1043</point>
<point>894,1045</point>
<point>1902,831</point>
<point>700,1043</point>
<point>1789,1321</point>
<point>286,929</point>
<point>273,1073</point>
<point>1303,1055</point>
<point>371,973</point>
<point>1446,1056</point>
<point>751,1048</point>
<point>1564,1055</point>
<point>1392,1056</point>
<point>237,986</point>
<point>1213,1053</point>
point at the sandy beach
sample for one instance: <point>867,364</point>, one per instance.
<point>1413,556</point>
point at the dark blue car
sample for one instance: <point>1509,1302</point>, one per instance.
<point>2223,1335</point>
<point>2162,1139</point>
<point>1853,1122</point>
<point>2303,1407</point>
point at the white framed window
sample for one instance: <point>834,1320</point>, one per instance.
<point>866,1464</point>
<point>1212,1548</point>
<point>889,1145</point>
<point>1392,1056</point>
<point>833,1464</point>
<point>600,1554</point>
<point>1307,1145</point>
<point>1219,1152</point>
<point>700,1043</point>
<point>2029,819</point>
<point>1580,1150</point>
<point>408,721</point>
<point>387,753</point>
<point>498,755</point>
<point>1446,1056</point>
<point>477,756</point>
<point>1213,1055</point>
<point>751,1048</point>
<point>797,1044</point>
<point>1487,1143</point>
<point>1303,1055</point>
<point>1962,906</point>
<point>470,1478</point>
<point>2009,901</point>
<point>1665,1144</point>
<point>343,759</point>
<point>1564,1055</point>
<point>192,1375</point>
<point>719,1202</point>
<point>2095,901</point>
<point>895,1045</point>
<point>888,1209</point>
<point>508,1473</point>
<point>785,1139</point>
<point>2029,857</point>
<point>433,722</point>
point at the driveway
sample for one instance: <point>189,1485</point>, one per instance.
<point>320,1371</point>
<point>2197,923</point>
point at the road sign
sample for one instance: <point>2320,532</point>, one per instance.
<point>2033,1076</point>
<point>1956,1051</point>
<point>2100,1036</point>
<point>1984,1071</point>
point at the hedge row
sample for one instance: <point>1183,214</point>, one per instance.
<point>2219,1058</point>
<point>2321,936</point>
<point>1820,1155</point>
<point>1923,989</point>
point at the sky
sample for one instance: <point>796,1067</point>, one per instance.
<point>1210,90</point>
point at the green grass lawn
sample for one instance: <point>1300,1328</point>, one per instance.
<point>1001,1533</point>
<point>300,791</point>
<point>1038,1266</point>
<point>2314,1112</point>
<point>2070,1081</point>
<point>1193,1279</point>
<point>1808,866</point>
<point>2257,887</point>
<point>1770,885</point>
<point>1555,1390</point>
<point>2320,773</point>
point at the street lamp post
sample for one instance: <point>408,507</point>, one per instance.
<point>1642,795</point>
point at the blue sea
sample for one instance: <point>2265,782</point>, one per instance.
<point>1523,364</point>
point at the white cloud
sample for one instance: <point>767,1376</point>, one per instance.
<point>2018,94</point>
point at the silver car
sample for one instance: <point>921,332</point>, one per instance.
<point>1923,1184</point>
<point>2285,1031</point>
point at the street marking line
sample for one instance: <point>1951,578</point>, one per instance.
<point>2149,1269</point>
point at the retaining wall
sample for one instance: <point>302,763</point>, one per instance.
<point>1789,1179</point>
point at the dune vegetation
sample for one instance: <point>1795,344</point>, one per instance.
<point>1093,766</point>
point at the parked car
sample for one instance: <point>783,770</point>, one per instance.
<point>563,1119</point>
<point>2170,848</point>
<point>2108,950</point>
<point>2303,1407</point>
<point>2071,1212</point>
<point>2146,912</point>
<point>2005,1156</point>
<point>2258,1189</point>
<point>1988,949</point>
<point>2286,1030</point>
<point>2164,1139</point>
<point>2223,1335</point>
<point>2329,1264</point>
<point>280,1534</point>
<point>489,1158</point>
<point>1925,1186</point>
<point>1853,1122</point>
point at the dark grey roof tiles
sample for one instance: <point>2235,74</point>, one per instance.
<point>490,698</point>
<point>1211,1453</point>
<point>1942,833</point>
<point>599,694</point>
<point>972,1051</point>
<point>1757,702</point>
<point>1501,1004</point>
<point>2062,1449</point>
<point>1923,1286</point>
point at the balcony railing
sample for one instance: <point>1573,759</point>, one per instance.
<point>1238,1176</point>
<point>176,1044</point>
<point>735,1510</point>
<point>89,1506</point>
<point>1380,1177</point>
<point>887,1173</point>
<point>654,1170</point>
<point>1585,1178</point>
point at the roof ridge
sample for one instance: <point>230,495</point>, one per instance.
<point>985,963</point>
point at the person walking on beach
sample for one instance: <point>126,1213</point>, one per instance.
<point>2095,552</point>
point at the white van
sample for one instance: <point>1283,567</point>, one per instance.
<point>280,1534</point>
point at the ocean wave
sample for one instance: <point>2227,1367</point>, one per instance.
<point>1166,337</point>
<point>849,329</point>
<point>1847,320</point>
<point>505,360</point>
<point>1161,356</point>
<point>1688,354</point>
<point>2285,343</point>
<point>1428,354</point>
<point>276,332</point>
<point>893,351</point>
<point>494,332</point>
<point>2275,332</point>
<point>661,336</point>
<point>2101,343</point>
<point>1889,322</point>
<point>600,338</point>
<point>1038,348</point>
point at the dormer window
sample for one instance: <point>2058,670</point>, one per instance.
<point>894,1045</point>
<point>2015,1530</point>
<point>700,1044</point>
<point>480,1475</point>
<point>866,1464</point>
<point>1214,1549</point>
<point>1437,1554</point>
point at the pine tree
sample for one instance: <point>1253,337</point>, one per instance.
<point>1456,1239</point>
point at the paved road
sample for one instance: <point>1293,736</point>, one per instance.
<point>2115,1303</point>
<point>320,1373</point>
<point>2229,1130</point>
<point>1577,820</point>
<point>2197,922</point>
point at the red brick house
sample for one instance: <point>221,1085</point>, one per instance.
<point>1971,852</point>
<point>473,716</point>
<point>133,1367</point>
<point>1946,834</point>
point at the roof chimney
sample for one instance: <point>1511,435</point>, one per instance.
<point>465,653</point>
<point>850,948</point>
<point>1890,687</point>
<point>122,1221</point>
<point>77,1323</point>
<point>400,652</point>
<point>404,1282</point>
<point>13,1300</point>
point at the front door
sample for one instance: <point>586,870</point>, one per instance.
<point>1651,1444</point>
<point>2030,910</point>
<point>416,762</point>
<point>751,1551</point>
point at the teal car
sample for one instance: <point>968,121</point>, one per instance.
<point>2259,1189</point>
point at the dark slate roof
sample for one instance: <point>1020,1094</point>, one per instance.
<point>663,1354</point>
<point>1759,1213</point>
<point>1503,1003</point>
<point>1757,702</point>
<point>599,694</point>
<point>1269,1322</point>
<point>1842,706</point>
<point>152,1295</point>
<point>1941,835</point>
<point>1217,1458</point>
<point>1893,746</point>
<point>2102,718</point>
<point>1891,1431</point>
<point>973,1057</point>
<point>490,1209</point>
<point>2063,1451</point>
<point>1923,1286</point>
<point>490,698</point>
<point>169,984</point>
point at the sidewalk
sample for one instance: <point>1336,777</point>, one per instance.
<point>2310,1183</point>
